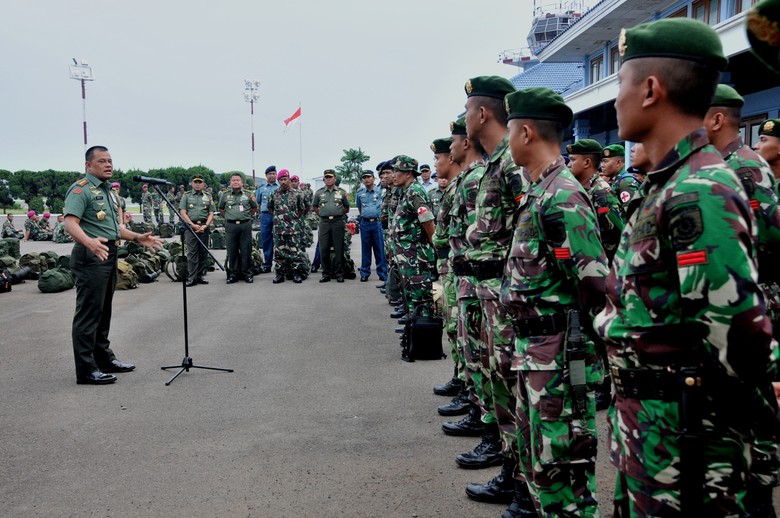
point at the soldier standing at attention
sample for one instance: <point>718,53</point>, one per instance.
<point>303,237</point>
<point>157,203</point>
<point>91,218</point>
<point>501,189</point>
<point>768,145</point>
<point>553,282</point>
<point>197,208</point>
<point>369,203</point>
<point>115,187</point>
<point>686,334</point>
<point>623,183</point>
<point>413,229</point>
<point>9,230</point>
<point>146,204</point>
<point>263,194</point>
<point>171,198</point>
<point>436,194</point>
<point>287,208</point>
<point>238,207</point>
<point>331,203</point>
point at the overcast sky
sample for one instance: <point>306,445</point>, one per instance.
<point>384,76</point>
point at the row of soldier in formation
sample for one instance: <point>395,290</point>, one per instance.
<point>37,228</point>
<point>555,278</point>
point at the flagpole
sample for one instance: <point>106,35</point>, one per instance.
<point>300,143</point>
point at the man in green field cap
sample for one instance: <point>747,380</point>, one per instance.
<point>768,145</point>
<point>613,167</point>
<point>684,324</point>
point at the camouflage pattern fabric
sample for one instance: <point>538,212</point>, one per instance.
<point>146,206</point>
<point>60,235</point>
<point>683,284</point>
<point>441,243</point>
<point>287,207</point>
<point>624,185</point>
<point>10,231</point>
<point>158,203</point>
<point>435,196</point>
<point>389,205</point>
<point>44,224</point>
<point>413,251</point>
<point>36,232</point>
<point>611,216</point>
<point>556,262</point>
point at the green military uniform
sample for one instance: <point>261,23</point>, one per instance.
<point>287,208</point>
<point>683,303</point>
<point>94,203</point>
<point>10,231</point>
<point>197,207</point>
<point>623,184</point>
<point>60,235</point>
<point>36,232</point>
<point>171,195</point>
<point>158,203</point>
<point>304,237</point>
<point>238,206</point>
<point>331,205</point>
<point>435,196</point>
<point>147,204</point>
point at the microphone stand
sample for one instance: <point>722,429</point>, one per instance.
<point>186,363</point>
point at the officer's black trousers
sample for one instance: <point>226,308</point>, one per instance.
<point>331,234</point>
<point>238,242</point>
<point>197,254</point>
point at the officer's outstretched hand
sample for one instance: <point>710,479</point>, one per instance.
<point>151,241</point>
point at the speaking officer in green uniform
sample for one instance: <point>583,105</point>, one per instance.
<point>238,207</point>
<point>331,203</point>
<point>91,211</point>
<point>197,209</point>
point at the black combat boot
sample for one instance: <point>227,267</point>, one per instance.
<point>486,454</point>
<point>469,426</point>
<point>459,405</point>
<point>451,388</point>
<point>279,277</point>
<point>500,489</point>
<point>522,505</point>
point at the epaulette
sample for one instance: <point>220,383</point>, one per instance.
<point>82,182</point>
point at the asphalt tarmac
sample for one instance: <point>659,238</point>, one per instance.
<point>320,418</point>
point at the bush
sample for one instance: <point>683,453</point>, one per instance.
<point>36,204</point>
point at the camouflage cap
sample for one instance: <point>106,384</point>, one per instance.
<point>585,146</point>
<point>537,104</point>
<point>728,97</point>
<point>441,145</point>
<point>458,127</point>
<point>770,127</point>
<point>613,150</point>
<point>489,86</point>
<point>680,38</point>
<point>406,164</point>
<point>328,173</point>
<point>763,33</point>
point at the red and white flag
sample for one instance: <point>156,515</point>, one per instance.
<point>292,119</point>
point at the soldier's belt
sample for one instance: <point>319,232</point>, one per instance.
<point>329,217</point>
<point>462,269</point>
<point>544,325</point>
<point>443,253</point>
<point>370,220</point>
<point>112,244</point>
<point>237,221</point>
<point>484,270</point>
<point>646,384</point>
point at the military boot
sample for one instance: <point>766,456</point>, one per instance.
<point>469,426</point>
<point>486,454</point>
<point>500,489</point>
<point>451,388</point>
<point>279,277</point>
<point>522,505</point>
<point>458,406</point>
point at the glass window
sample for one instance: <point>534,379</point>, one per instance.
<point>614,58</point>
<point>713,15</point>
<point>596,66</point>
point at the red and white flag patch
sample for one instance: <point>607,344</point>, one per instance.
<point>422,210</point>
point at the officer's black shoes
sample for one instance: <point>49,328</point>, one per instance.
<point>451,388</point>
<point>231,279</point>
<point>95,378</point>
<point>396,302</point>
<point>117,366</point>
<point>325,278</point>
<point>382,291</point>
<point>500,489</point>
<point>202,281</point>
<point>522,505</point>
<point>398,313</point>
<point>604,394</point>
<point>265,269</point>
<point>459,405</point>
<point>190,284</point>
<point>405,357</point>
<point>400,329</point>
<point>340,278</point>
<point>279,277</point>
<point>363,278</point>
<point>469,426</point>
<point>486,454</point>
<point>380,285</point>
<point>314,269</point>
<point>297,279</point>
<point>249,279</point>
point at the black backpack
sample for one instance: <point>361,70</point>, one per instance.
<point>422,336</point>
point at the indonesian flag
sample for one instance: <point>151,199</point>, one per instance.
<point>292,119</point>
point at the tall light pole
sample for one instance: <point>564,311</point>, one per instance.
<point>82,72</point>
<point>252,94</point>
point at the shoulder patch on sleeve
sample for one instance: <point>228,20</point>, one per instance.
<point>77,191</point>
<point>692,258</point>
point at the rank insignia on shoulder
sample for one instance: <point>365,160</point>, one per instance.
<point>82,182</point>
<point>692,258</point>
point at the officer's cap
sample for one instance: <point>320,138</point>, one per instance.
<point>613,150</point>
<point>196,177</point>
<point>770,127</point>
<point>458,127</point>
<point>440,145</point>
<point>328,173</point>
<point>680,38</point>
<point>425,167</point>
<point>585,146</point>
<point>367,174</point>
<point>387,165</point>
<point>489,86</point>
<point>763,32</point>
<point>537,104</point>
<point>406,164</point>
<point>727,97</point>
<point>270,169</point>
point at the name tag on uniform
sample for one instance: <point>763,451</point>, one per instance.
<point>240,208</point>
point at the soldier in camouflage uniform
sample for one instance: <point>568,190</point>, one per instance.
<point>684,322</point>
<point>147,204</point>
<point>412,231</point>
<point>623,183</point>
<point>500,191</point>
<point>60,235</point>
<point>389,204</point>
<point>304,236</point>
<point>45,223</point>
<point>722,122</point>
<point>287,207</point>
<point>172,198</point>
<point>32,229</point>
<point>9,230</point>
<point>436,193</point>
<point>158,203</point>
<point>554,277</point>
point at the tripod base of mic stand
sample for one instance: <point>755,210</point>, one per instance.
<point>186,365</point>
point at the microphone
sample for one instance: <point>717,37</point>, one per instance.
<point>146,179</point>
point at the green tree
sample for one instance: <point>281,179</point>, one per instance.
<point>6,200</point>
<point>351,167</point>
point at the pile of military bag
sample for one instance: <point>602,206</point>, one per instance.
<point>58,276</point>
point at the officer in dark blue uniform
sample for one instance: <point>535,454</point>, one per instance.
<point>263,193</point>
<point>369,204</point>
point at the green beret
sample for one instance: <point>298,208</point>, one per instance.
<point>405,163</point>
<point>770,127</point>
<point>489,86</point>
<point>458,127</point>
<point>613,150</point>
<point>441,145</point>
<point>763,33</point>
<point>586,146</point>
<point>680,38</point>
<point>728,97</point>
<point>539,104</point>
<point>328,172</point>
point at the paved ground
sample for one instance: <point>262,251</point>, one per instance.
<point>319,419</point>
